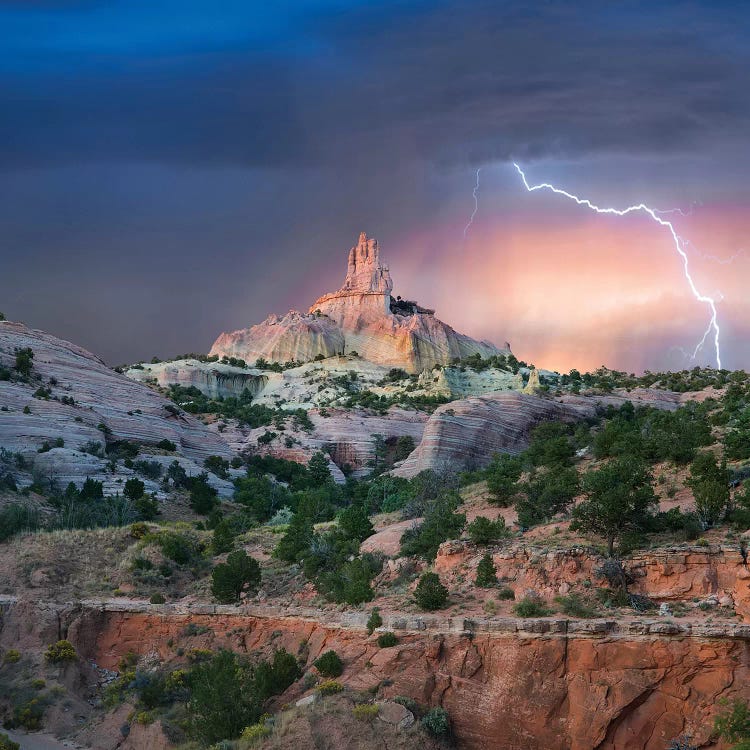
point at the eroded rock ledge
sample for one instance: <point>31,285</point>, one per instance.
<point>547,683</point>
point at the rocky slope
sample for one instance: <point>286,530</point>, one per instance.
<point>360,317</point>
<point>73,397</point>
<point>465,434</point>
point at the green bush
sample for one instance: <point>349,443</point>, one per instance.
<point>366,712</point>
<point>6,743</point>
<point>157,599</point>
<point>483,531</point>
<point>223,537</point>
<point>574,606</point>
<point>437,722</point>
<point>530,606</point>
<point>177,547</point>
<point>166,445</point>
<point>60,652</point>
<point>329,664</point>
<point>374,621</point>
<point>430,594</point>
<point>11,656</point>
<point>505,594</point>
<point>240,573</point>
<point>330,687</point>
<point>386,640</point>
<point>441,523</point>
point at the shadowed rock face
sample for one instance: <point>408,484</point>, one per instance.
<point>356,318</point>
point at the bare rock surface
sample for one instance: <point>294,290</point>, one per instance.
<point>213,379</point>
<point>89,403</point>
<point>465,434</point>
<point>360,317</point>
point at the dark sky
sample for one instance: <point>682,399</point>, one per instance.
<point>172,168</point>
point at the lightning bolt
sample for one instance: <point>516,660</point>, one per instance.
<point>475,193</point>
<point>679,243</point>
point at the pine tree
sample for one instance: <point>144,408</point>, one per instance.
<point>486,573</point>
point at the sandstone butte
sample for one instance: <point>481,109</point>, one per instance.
<point>362,317</point>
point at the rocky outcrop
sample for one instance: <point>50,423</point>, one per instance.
<point>465,434</point>
<point>213,379</point>
<point>704,577</point>
<point>73,397</point>
<point>295,337</point>
<point>360,317</point>
<point>545,684</point>
<point>348,436</point>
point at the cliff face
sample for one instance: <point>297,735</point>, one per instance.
<point>542,688</point>
<point>360,317</point>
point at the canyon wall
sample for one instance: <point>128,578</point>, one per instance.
<point>562,688</point>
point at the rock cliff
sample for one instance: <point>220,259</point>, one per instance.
<point>361,317</point>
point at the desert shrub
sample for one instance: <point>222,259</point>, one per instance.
<point>157,599</point>
<point>386,640</point>
<point>574,606</point>
<point>11,656</point>
<point>505,594</point>
<point>329,664</point>
<point>430,594</point>
<point>330,687</point>
<point>367,712</point>
<point>256,732</point>
<point>531,606</point>
<point>709,481</point>
<point>502,475</point>
<point>223,537</point>
<point>149,469</point>
<point>217,465</point>
<point>6,743</point>
<point>486,573</point>
<point>374,621</point>
<point>240,573</point>
<point>166,445</point>
<point>733,724</point>
<point>134,488</point>
<point>441,523</point>
<point>138,530</point>
<point>483,531</point>
<point>177,547</point>
<point>60,652</point>
<point>437,722</point>
<point>282,517</point>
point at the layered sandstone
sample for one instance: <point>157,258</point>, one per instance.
<point>466,433</point>
<point>360,317</point>
<point>514,684</point>
<point>74,397</point>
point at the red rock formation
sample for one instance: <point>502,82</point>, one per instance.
<point>565,690</point>
<point>358,317</point>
